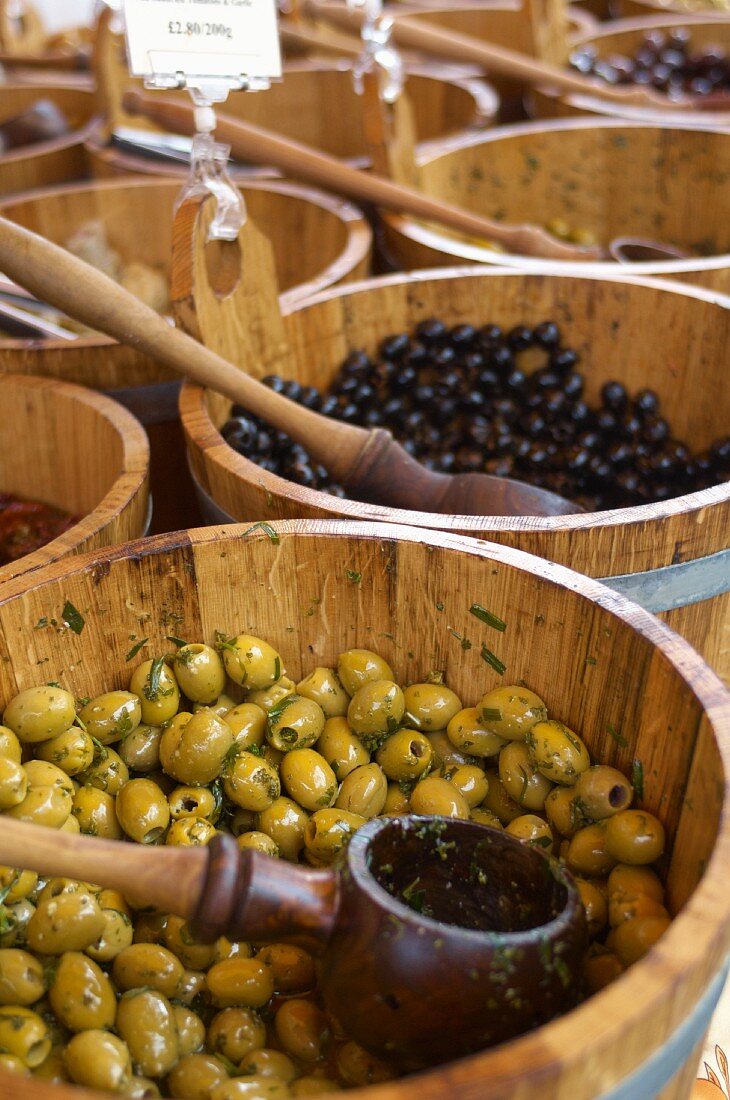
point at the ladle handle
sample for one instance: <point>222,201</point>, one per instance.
<point>250,896</point>
<point>260,146</point>
<point>171,878</point>
<point>418,35</point>
<point>66,282</point>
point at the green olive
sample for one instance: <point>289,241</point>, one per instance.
<point>522,781</point>
<point>40,713</point>
<point>407,754</point>
<point>364,791</point>
<point>256,1087</point>
<point>485,817</point>
<point>603,791</point>
<point>81,995</point>
<point>511,711</point>
<point>594,904</point>
<point>258,842</point>
<point>146,1022</point>
<point>309,779</point>
<point>356,667</point>
<point>437,796</point>
<point>235,1032</point>
<point>69,922</point>
<point>195,1075</point>
<point>108,772</point>
<point>295,723</point>
<point>10,748</point>
<point>269,1063</point>
<point>248,724</point>
<point>140,751</point>
<point>117,934</point>
<point>341,748</point>
<point>142,811</point>
<point>397,801</point>
<point>196,752</point>
<point>471,781</point>
<point>13,783</point>
<point>268,698</point>
<point>376,708</point>
<point>498,801</point>
<point>284,821</point>
<point>631,881</point>
<point>557,752</point>
<point>323,686</point>
<point>357,1067</point>
<point>564,811</point>
<point>430,706</point>
<point>251,783</point>
<point>190,831</point>
<point>98,1060</point>
<point>240,981</point>
<point>22,979</point>
<point>96,813</point>
<point>252,662</point>
<point>466,731</point>
<point>634,938</point>
<point>301,1029</point>
<point>190,1030</point>
<point>193,802</point>
<point>221,705</point>
<point>148,964</point>
<point>154,683</point>
<point>588,851</point>
<point>180,940</point>
<point>532,830</point>
<point>49,806</point>
<point>24,1034</point>
<point>328,831</point>
<point>292,967</point>
<point>634,837</point>
<point>72,751</point>
<point>199,672</point>
<point>112,716</point>
<point>10,1063</point>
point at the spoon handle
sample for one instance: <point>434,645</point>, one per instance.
<point>63,280</point>
<point>250,896</point>
<point>169,878</point>
<point>262,146</point>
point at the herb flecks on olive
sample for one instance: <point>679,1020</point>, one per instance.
<point>99,991</point>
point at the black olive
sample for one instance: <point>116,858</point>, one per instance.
<point>547,334</point>
<point>392,347</point>
<point>430,331</point>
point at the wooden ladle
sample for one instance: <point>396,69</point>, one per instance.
<point>438,937</point>
<point>260,146</point>
<point>368,463</point>
<point>441,42</point>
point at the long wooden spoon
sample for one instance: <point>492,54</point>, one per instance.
<point>368,463</point>
<point>409,986</point>
<point>261,146</point>
<point>417,34</point>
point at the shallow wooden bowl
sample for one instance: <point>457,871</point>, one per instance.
<point>301,107</point>
<point>334,244</point>
<point>678,338</point>
<point>46,162</point>
<point>80,451</point>
<point>599,661</point>
<point>608,176</point>
<point>622,36</point>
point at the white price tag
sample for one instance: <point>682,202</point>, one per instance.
<point>212,38</point>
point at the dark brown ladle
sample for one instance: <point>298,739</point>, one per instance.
<point>368,463</point>
<point>637,250</point>
<point>494,951</point>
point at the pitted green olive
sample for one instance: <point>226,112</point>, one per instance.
<point>252,783</point>
<point>324,687</point>
<point>112,716</point>
<point>251,662</point>
<point>196,752</point>
<point>295,723</point>
<point>154,683</point>
<point>430,706</point>
<point>510,712</point>
<point>248,724</point>
<point>376,709</point>
<point>40,713</point>
<point>200,673</point>
<point>356,667</point>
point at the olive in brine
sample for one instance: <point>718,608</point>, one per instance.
<point>251,662</point>
<point>511,712</point>
<point>200,673</point>
<point>324,687</point>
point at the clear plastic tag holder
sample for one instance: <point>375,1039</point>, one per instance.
<point>378,54</point>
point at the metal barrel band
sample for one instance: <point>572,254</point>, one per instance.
<point>677,585</point>
<point>659,1069</point>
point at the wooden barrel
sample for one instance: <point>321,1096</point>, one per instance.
<point>300,107</point>
<point>623,36</point>
<point>79,451</point>
<point>334,243</point>
<point>46,162</point>
<point>599,661</point>
<point>674,555</point>
<point>607,176</point>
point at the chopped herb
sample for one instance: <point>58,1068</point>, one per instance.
<point>353,576</point>
<point>487,617</point>
<point>153,687</point>
<point>78,722</point>
<point>617,736</point>
<point>171,638</point>
<point>373,741</point>
<point>83,701</point>
<point>135,649</point>
<point>465,643</point>
<point>53,684</point>
<point>231,756</point>
<point>277,668</point>
<point>637,778</point>
<point>415,899</point>
<point>525,784</point>
<point>562,969</point>
<point>266,528</point>
<point>490,714</point>
<point>100,752</point>
<point>222,641</point>
<point>439,605</point>
<point>230,1067</point>
<point>288,735</point>
<point>278,708</point>
<point>73,619</point>
<point>493,660</point>
<point>43,622</point>
<point>590,660</point>
<point>255,750</point>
